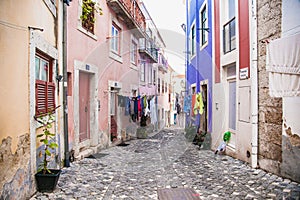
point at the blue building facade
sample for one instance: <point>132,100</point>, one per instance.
<point>199,63</point>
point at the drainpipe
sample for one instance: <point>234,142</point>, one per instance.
<point>65,99</point>
<point>186,55</point>
<point>197,50</point>
<point>254,86</point>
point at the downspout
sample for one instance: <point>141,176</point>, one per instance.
<point>254,86</point>
<point>65,81</point>
<point>197,29</point>
<point>187,54</point>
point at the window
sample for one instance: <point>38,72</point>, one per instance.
<point>143,71</point>
<point>229,29</point>
<point>229,36</point>
<point>204,26</point>
<point>193,40</point>
<point>44,86</point>
<point>150,74</point>
<point>162,86</point>
<point>115,39</point>
<point>154,77</point>
<point>88,15</point>
<point>133,52</point>
<point>166,87</point>
<point>158,85</point>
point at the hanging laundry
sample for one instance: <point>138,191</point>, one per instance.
<point>153,115</point>
<point>198,107</point>
<point>187,104</point>
<point>139,103</point>
<point>127,106</point>
<point>193,104</point>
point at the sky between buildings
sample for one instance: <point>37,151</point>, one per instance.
<point>168,15</point>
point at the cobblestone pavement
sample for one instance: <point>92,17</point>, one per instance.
<point>166,160</point>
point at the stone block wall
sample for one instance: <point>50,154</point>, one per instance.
<point>269,15</point>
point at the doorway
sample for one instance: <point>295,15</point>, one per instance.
<point>113,115</point>
<point>84,106</point>
<point>204,116</point>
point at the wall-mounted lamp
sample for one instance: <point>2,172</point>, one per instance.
<point>183,26</point>
<point>59,78</point>
<point>205,29</point>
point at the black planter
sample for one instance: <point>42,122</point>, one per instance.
<point>47,182</point>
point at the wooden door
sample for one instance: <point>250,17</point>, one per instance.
<point>84,106</point>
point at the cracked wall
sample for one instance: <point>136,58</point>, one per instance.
<point>291,138</point>
<point>270,109</point>
<point>16,182</point>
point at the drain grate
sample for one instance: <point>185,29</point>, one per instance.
<point>177,194</point>
<point>97,155</point>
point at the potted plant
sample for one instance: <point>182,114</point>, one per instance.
<point>46,179</point>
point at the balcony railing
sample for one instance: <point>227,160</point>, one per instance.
<point>229,37</point>
<point>130,12</point>
<point>162,63</point>
<point>148,48</point>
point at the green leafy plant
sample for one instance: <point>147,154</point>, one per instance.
<point>47,138</point>
<point>89,8</point>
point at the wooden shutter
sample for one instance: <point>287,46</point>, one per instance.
<point>44,97</point>
<point>50,96</point>
<point>40,97</point>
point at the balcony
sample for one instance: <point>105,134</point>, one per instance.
<point>147,47</point>
<point>130,12</point>
<point>162,64</point>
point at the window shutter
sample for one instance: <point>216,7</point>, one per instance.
<point>50,96</point>
<point>40,97</point>
<point>44,97</point>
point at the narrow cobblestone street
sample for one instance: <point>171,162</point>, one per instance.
<point>166,160</point>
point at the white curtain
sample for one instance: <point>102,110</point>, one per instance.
<point>283,65</point>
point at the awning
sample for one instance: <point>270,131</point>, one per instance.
<point>283,66</point>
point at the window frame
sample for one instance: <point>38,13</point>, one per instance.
<point>204,25</point>
<point>133,51</point>
<point>193,40</point>
<point>87,24</point>
<point>142,71</point>
<point>115,44</point>
<point>44,89</point>
<point>150,77</point>
<point>154,77</point>
<point>229,36</point>
<point>158,85</point>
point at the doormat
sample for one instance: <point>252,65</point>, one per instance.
<point>97,155</point>
<point>123,144</point>
<point>177,194</point>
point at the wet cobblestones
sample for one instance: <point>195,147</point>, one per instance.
<point>166,160</point>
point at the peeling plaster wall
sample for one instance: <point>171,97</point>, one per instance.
<point>291,138</point>
<point>16,182</point>
<point>270,109</point>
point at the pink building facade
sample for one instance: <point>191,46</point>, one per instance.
<point>103,73</point>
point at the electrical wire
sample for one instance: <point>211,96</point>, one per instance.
<point>13,26</point>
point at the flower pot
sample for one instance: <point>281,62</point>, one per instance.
<point>47,182</point>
